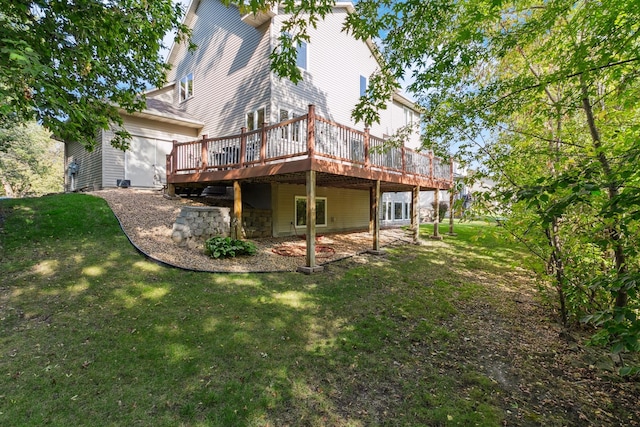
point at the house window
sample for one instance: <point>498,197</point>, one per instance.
<point>408,116</point>
<point>301,211</point>
<point>255,119</point>
<point>398,210</point>
<point>291,131</point>
<point>363,86</point>
<point>302,52</point>
<point>186,87</point>
<point>395,211</point>
<point>386,213</point>
<point>302,55</point>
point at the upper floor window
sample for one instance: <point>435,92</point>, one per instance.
<point>408,116</point>
<point>302,55</point>
<point>302,51</point>
<point>186,87</point>
<point>363,86</point>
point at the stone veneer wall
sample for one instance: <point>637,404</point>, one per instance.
<point>195,224</point>
<point>256,223</point>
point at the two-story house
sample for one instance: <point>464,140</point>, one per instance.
<point>291,151</point>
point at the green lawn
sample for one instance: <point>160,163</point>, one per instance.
<point>91,333</point>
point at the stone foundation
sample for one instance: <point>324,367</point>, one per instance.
<point>195,224</point>
<point>256,223</point>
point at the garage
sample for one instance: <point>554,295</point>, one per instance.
<point>145,161</point>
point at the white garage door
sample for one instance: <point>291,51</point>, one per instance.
<point>145,162</point>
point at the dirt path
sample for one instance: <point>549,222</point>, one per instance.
<point>546,375</point>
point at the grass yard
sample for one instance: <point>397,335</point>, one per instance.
<point>447,333</point>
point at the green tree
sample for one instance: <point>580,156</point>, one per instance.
<point>71,65</point>
<point>31,162</point>
<point>544,95</point>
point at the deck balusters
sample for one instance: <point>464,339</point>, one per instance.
<point>307,135</point>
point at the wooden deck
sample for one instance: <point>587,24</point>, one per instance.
<point>313,151</point>
<point>341,157</point>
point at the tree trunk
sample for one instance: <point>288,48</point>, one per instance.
<point>555,266</point>
<point>612,190</point>
<point>8,190</point>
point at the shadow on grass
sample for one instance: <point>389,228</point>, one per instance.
<point>92,331</point>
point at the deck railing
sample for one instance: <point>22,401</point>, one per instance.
<point>300,137</point>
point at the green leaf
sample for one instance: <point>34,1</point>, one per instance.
<point>617,348</point>
<point>627,370</point>
<point>13,56</point>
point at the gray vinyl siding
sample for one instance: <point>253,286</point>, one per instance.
<point>392,119</point>
<point>139,126</point>
<point>336,61</point>
<point>230,69</point>
<point>231,72</point>
<point>112,161</point>
<point>89,174</point>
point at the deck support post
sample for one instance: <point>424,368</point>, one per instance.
<point>375,215</point>
<point>236,221</point>
<point>451,197</point>
<point>415,214</point>
<point>451,200</point>
<point>404,159</point>
<point>436,214</point>
<point>367,142</point>
<point>263,143</point>
<point>171,190</point>
<point>311,131</point>
<point>243,146</point>
<point>204,153</point>
<point>311,266</point>
<point>372,208</point>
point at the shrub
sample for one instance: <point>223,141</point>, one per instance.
<point>224,247</point>
<point>443,207</point>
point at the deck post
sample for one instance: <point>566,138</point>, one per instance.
<point>375,214</point>
<point>436,214</point>
<point>311,131</point>
<point>263,143</point>
<point>404,160</point>
<point>367,160</point>
<point>204,162</point>
<point>171,190</point>
<point>170,166</point>
<point>236,221</point>
<point>311,266</point>
<point>451,197</point>
<point>451,200</point>
<point>415,214</point>
<point>372,208</point>
<point>431,168</point>
<point>243,146</point>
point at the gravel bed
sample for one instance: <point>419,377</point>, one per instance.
<point>147,218</point>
